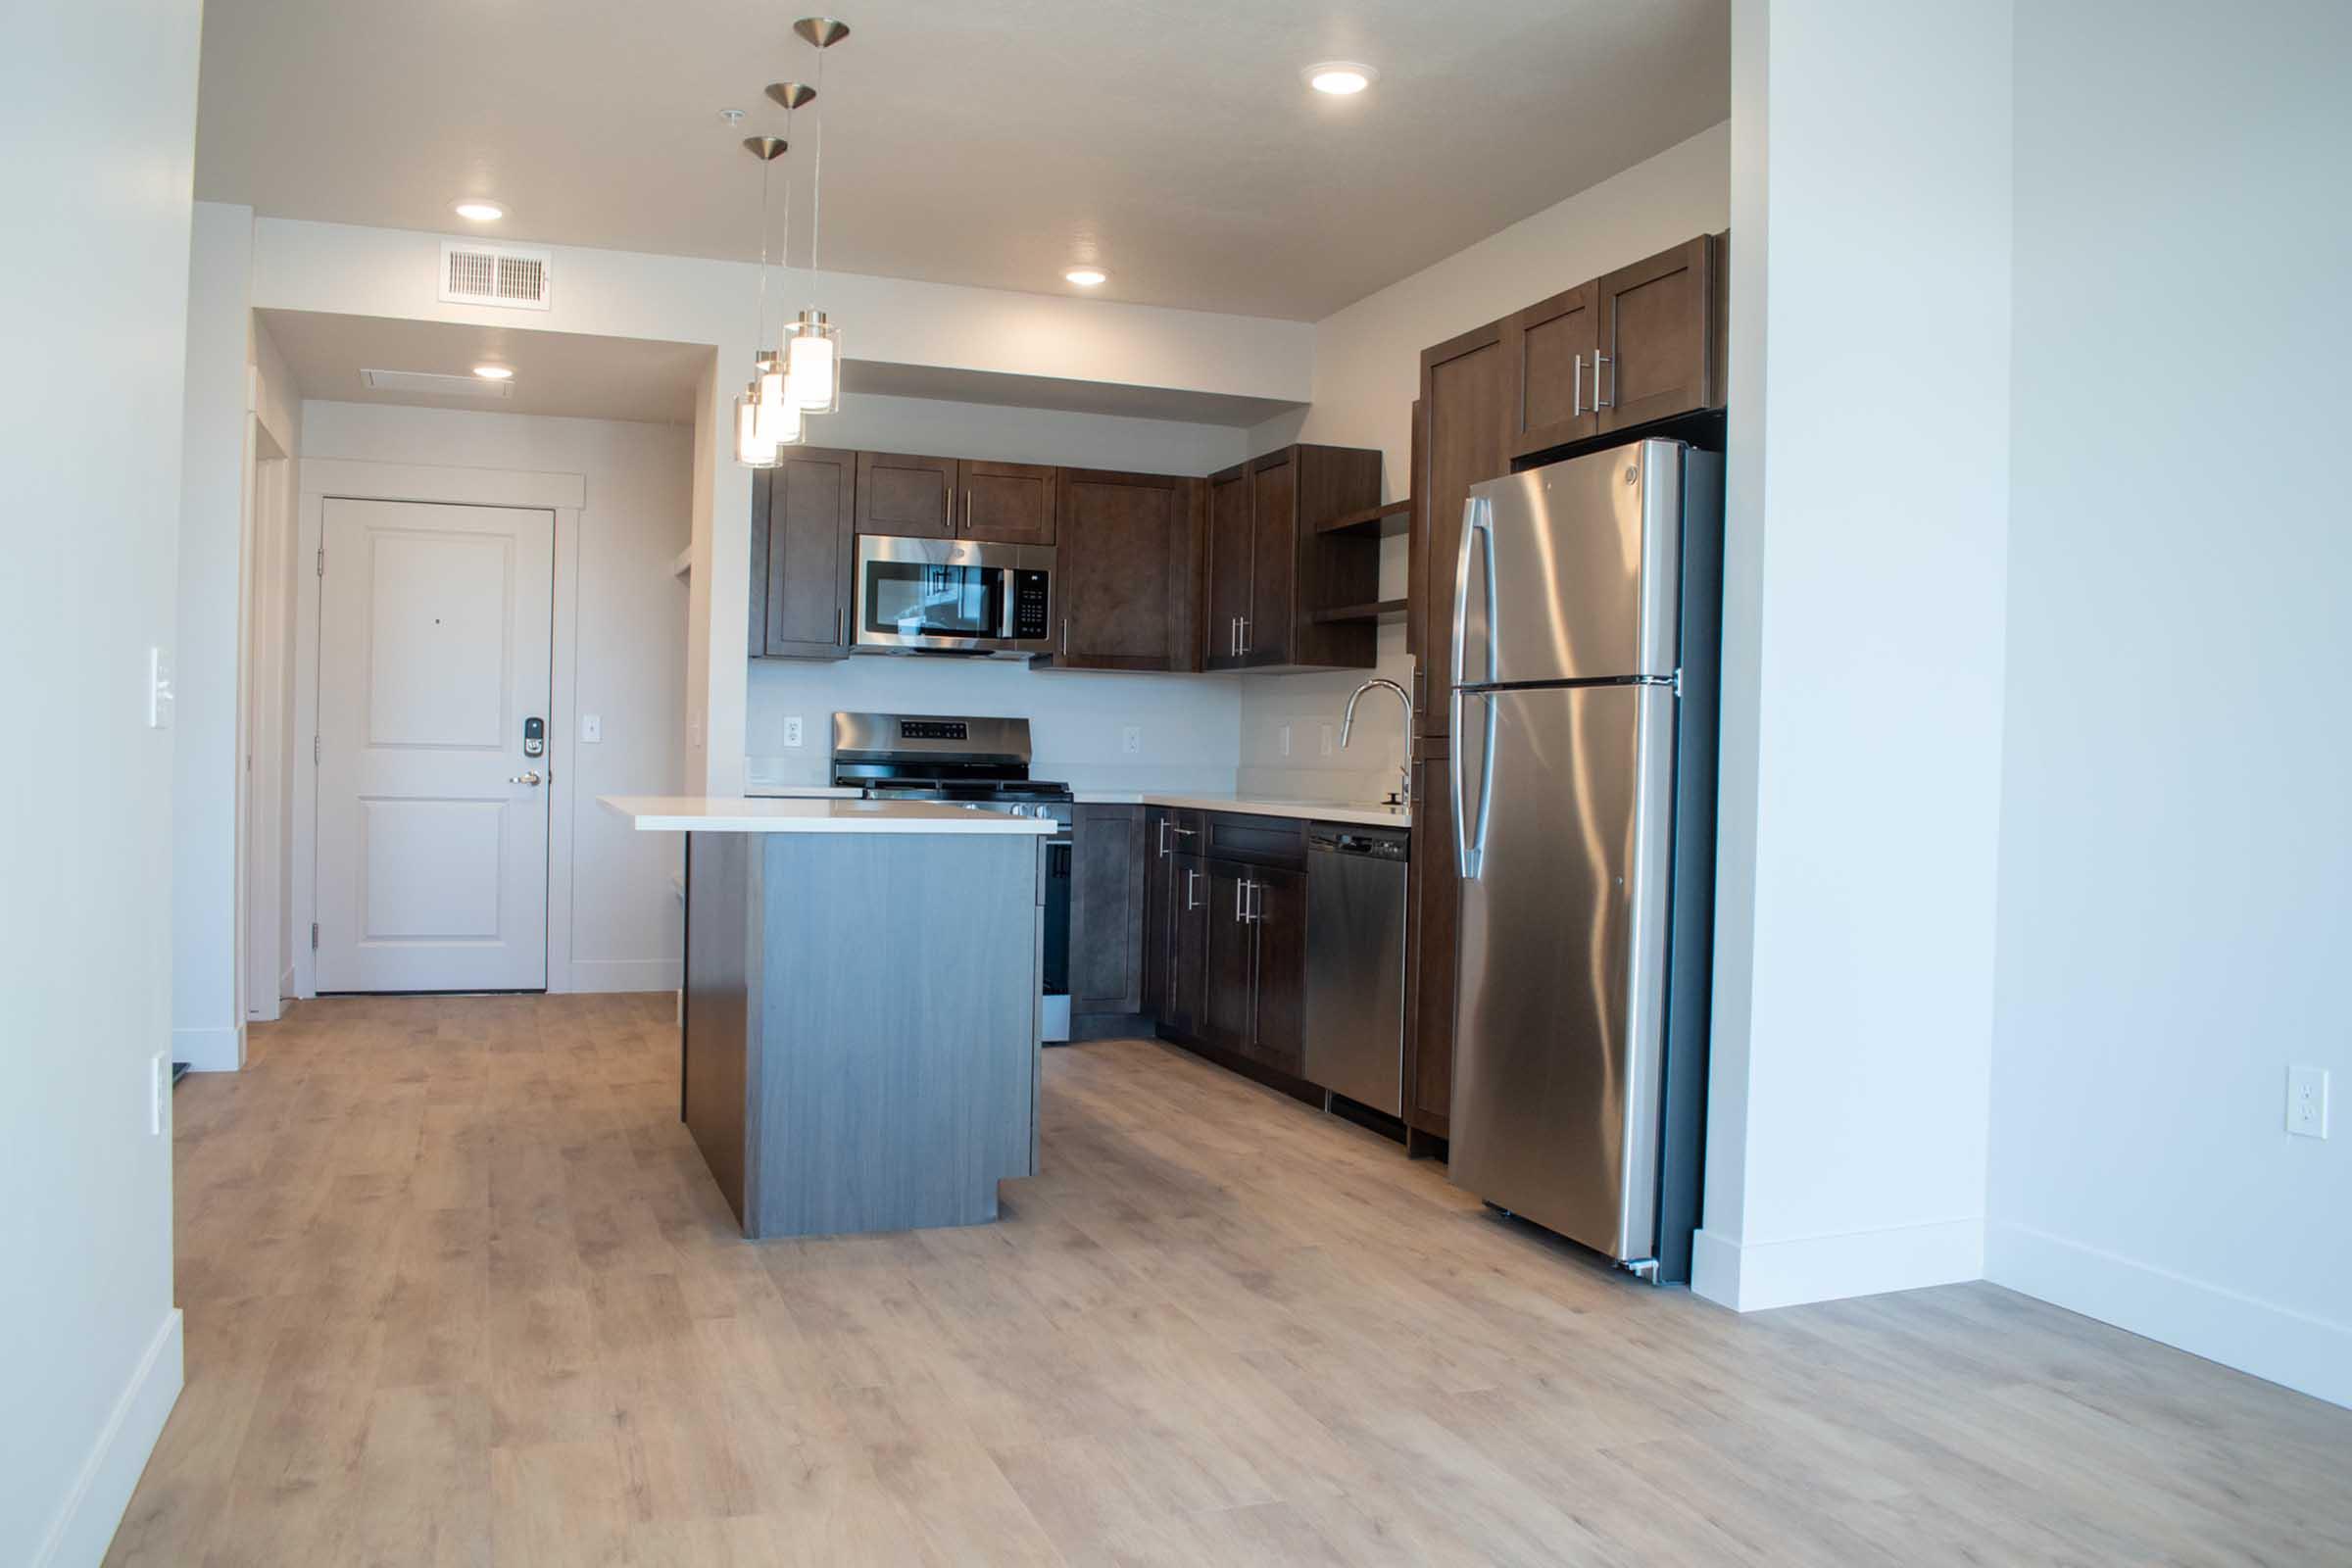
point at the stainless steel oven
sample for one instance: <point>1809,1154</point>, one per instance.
<point>951,596</point>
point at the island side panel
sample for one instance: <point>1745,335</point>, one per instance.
<point>719,868</point>
<point>898,1055</point>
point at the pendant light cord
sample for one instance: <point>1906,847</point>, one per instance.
<point>767,170</point>
<point>817,201</point>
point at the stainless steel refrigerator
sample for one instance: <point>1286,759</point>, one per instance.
<point>1588,599</point>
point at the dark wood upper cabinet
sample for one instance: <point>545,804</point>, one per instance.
<point>1551,347</point>
<point>803,521</point>
<point>1657,336</point>
<point>1465,384</point>
<point>1228,565</point>
<point>1108,875</point>
<point>1268,625</point>
<point>1125,572</point>
<point>908,496</point>
<point>1282,593</point>
<point>1005,503</point>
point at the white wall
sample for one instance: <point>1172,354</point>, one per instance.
<point>1367,374</point>
<point>1849,1099</point>
<point>270,592</point>
<point>1190,723</point>
<point>208,1023</point>
<point>91,449</point>
<point>2175,851</point>
<point>628,650</point>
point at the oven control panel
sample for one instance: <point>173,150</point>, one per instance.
<point>934,729</point>
<point>1031,613</point>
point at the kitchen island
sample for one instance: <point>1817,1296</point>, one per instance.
<point>861,1030</point>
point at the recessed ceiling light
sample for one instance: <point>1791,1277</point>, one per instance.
<point>1087,277</point>
<point>1339,77</point>
<point>494,373</point>
<point>480,211</point>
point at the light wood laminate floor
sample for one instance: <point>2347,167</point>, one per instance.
<point>460,1291</point>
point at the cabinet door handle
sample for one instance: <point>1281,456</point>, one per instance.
<point>1245,636</point>
<point>1065,636</point>
<point>1190,877</point>
<point>1599,359</point>
<point>837,626</point>
<point>1240,893</point>
<point>1575,386</point>
<point>1163,838</point>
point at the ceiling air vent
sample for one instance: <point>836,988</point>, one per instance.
<point>440,386</point>
<point>513,275</point>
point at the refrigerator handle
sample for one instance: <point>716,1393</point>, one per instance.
<point>1478,514</point>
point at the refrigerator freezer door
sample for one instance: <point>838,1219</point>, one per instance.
<point>1558,1016</point>
<point>1584,576</point>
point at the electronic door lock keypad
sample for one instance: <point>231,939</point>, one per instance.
<point>534,736</point>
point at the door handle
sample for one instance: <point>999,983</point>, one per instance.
<point>837,626</point>
<point>1245,636</point>
<point>1065,636</point>
<point>1163,838</point>
<point>1191,879</point>
<point>1599,359</point>
<point>968,495</point>
<point>1241,897</point>
<point>1575,386</point>
<point>524,778</point>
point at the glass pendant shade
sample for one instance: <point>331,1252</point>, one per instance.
<point>812,363</point>
<point>778,419</point>
<point>750,450</point>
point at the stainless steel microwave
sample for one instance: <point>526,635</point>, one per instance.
<point>952,595</point>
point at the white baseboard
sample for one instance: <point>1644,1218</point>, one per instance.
<point>86,1522</point>
<point>2311,1355</point>
<point>624,974</point>
<point>210,1049</point>
<point>1755,1276</point>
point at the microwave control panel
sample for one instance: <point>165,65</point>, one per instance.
<point>1030,611</point>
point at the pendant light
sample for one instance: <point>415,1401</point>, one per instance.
<point>766,421</point>
<point>812,345</point>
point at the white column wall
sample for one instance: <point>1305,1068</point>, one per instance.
<point>1868,529</point>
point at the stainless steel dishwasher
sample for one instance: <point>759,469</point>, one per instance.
<point>1355,962</point>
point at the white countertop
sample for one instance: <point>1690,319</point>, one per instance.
<point>1357,811</point>
<point>730,813</point>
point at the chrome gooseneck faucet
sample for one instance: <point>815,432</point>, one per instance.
<point>1405,790</point>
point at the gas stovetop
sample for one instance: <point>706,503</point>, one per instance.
<point>980,762</point>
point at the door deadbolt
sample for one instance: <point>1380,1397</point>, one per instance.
<point>534,736</point>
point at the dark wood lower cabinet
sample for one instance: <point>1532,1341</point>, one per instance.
<point>1160,928</point>
<point>1430,923</point>
<point>1182,1008</point>
<point>1278,930</point>
<point>1107,910</point>
<point>1229,970</point>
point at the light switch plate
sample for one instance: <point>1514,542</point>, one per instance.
<point>592,727</point>
<point>1286,740</point>
<point>158,689</point>
<point>2307,1102</point>
<point>792,729</point>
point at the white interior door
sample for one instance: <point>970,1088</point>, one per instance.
<point>433,653</point>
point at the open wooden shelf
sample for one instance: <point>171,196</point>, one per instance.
<point>1373,522</point>
<point>1385,612</point>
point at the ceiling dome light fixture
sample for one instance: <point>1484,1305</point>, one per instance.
<point>1087,277</point>
<point>477,210</point>
<point>494,372</point>
<point>1342,79</point>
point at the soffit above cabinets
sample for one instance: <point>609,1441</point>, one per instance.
<point>993,145</point>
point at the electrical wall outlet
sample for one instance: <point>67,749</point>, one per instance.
<point>1131,740</point>
<point>592,727</point>
<point>792,730</point>
<point>159,1093</point>
<point>2307,1102</point>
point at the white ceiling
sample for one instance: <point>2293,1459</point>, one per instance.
<point>554,372</point>
<point>995,143</point>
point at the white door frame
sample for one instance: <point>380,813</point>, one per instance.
<point>262,723</point>
<point>563,494</point>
